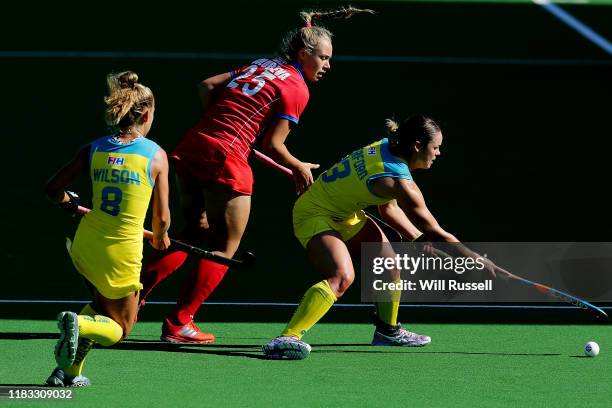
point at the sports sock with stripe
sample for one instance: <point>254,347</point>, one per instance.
<point>84,345</point>
<point>101,329</point>
<point>387,310</point>
<point>317,300</point>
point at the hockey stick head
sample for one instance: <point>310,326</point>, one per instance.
<point>248,260</point>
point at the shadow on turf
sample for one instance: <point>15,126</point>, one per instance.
<point>23,385</point>
<point>152,345</point>
<point>28,336</point>
<point>217,349</point>
<point>420,351</point>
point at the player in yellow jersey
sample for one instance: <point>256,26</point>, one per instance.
<point>125,170</point>
<point>329,222</point>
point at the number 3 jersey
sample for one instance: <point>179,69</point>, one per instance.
<point>257,93</point>
<point>344,189</point>
<point>107,248</point>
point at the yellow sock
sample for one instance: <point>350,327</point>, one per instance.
<point>317,300</point>
<point>101,329</point>
<point>387,311</point>
<point>88,310</point>
<point>84,346</point>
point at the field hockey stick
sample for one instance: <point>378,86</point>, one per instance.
<point>546,290</point>
<point>557,294</point>
<point>246,262</point>
<point>268,161</point>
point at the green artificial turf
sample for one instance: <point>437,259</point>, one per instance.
<point>465,366</point>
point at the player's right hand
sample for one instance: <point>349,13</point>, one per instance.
<point>302,176</point>
<point>70,202</point>
<point>160,243</point>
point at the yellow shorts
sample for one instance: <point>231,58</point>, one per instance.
<point>110,263</point>
<point>308,221</point>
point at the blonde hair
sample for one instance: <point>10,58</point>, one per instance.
<point>127,100</point>
<point>309,36</point>
<point>391,125</point>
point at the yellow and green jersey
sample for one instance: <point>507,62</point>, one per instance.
<point>345,188</point>
<point>107,248</point>
<point>121,185</point>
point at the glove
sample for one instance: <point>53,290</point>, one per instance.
<point>72,204</point>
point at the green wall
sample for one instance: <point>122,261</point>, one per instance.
<point>525,156</point>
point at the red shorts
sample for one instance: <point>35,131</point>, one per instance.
<point>209,161</point>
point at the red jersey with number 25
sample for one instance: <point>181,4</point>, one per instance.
<point>258,93</point>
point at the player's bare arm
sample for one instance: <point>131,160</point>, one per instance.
<point>67,175</point>
<point>161,207</point>
<point>274,145</point>
<point>412,203</point>
<point>393,214</point>
<point>210,88</point>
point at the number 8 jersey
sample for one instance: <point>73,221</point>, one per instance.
<point>107,248</point>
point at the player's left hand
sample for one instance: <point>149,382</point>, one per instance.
<point>162,243</point>
<point>302,176</point>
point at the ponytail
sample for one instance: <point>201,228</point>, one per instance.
<point>309,35</point>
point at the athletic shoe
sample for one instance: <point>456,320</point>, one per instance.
<point>400,337</point>
<point>288,347</point>
<point>66,346</point>
<point>59,378</point>
<point>187,334</point>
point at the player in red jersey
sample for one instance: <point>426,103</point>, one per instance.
<point>256,103</point>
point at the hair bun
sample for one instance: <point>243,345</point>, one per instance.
<point>128,79</point>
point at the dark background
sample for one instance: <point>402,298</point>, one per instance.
<point>525,154</point>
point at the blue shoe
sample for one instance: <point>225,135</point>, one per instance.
<point>287,347</point>
<point>66,346</point>
<point>401,337</point>
<point>59,378</point>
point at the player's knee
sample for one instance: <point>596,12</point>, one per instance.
<point>345,278</point>
<point>394,275</point>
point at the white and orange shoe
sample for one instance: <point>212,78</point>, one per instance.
<point>186,334</point>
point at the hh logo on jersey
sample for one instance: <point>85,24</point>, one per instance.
<point>116,161</point>
<point>371,151</point>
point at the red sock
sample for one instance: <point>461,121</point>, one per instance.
<point>159,268</point>
<point>199,284</point>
